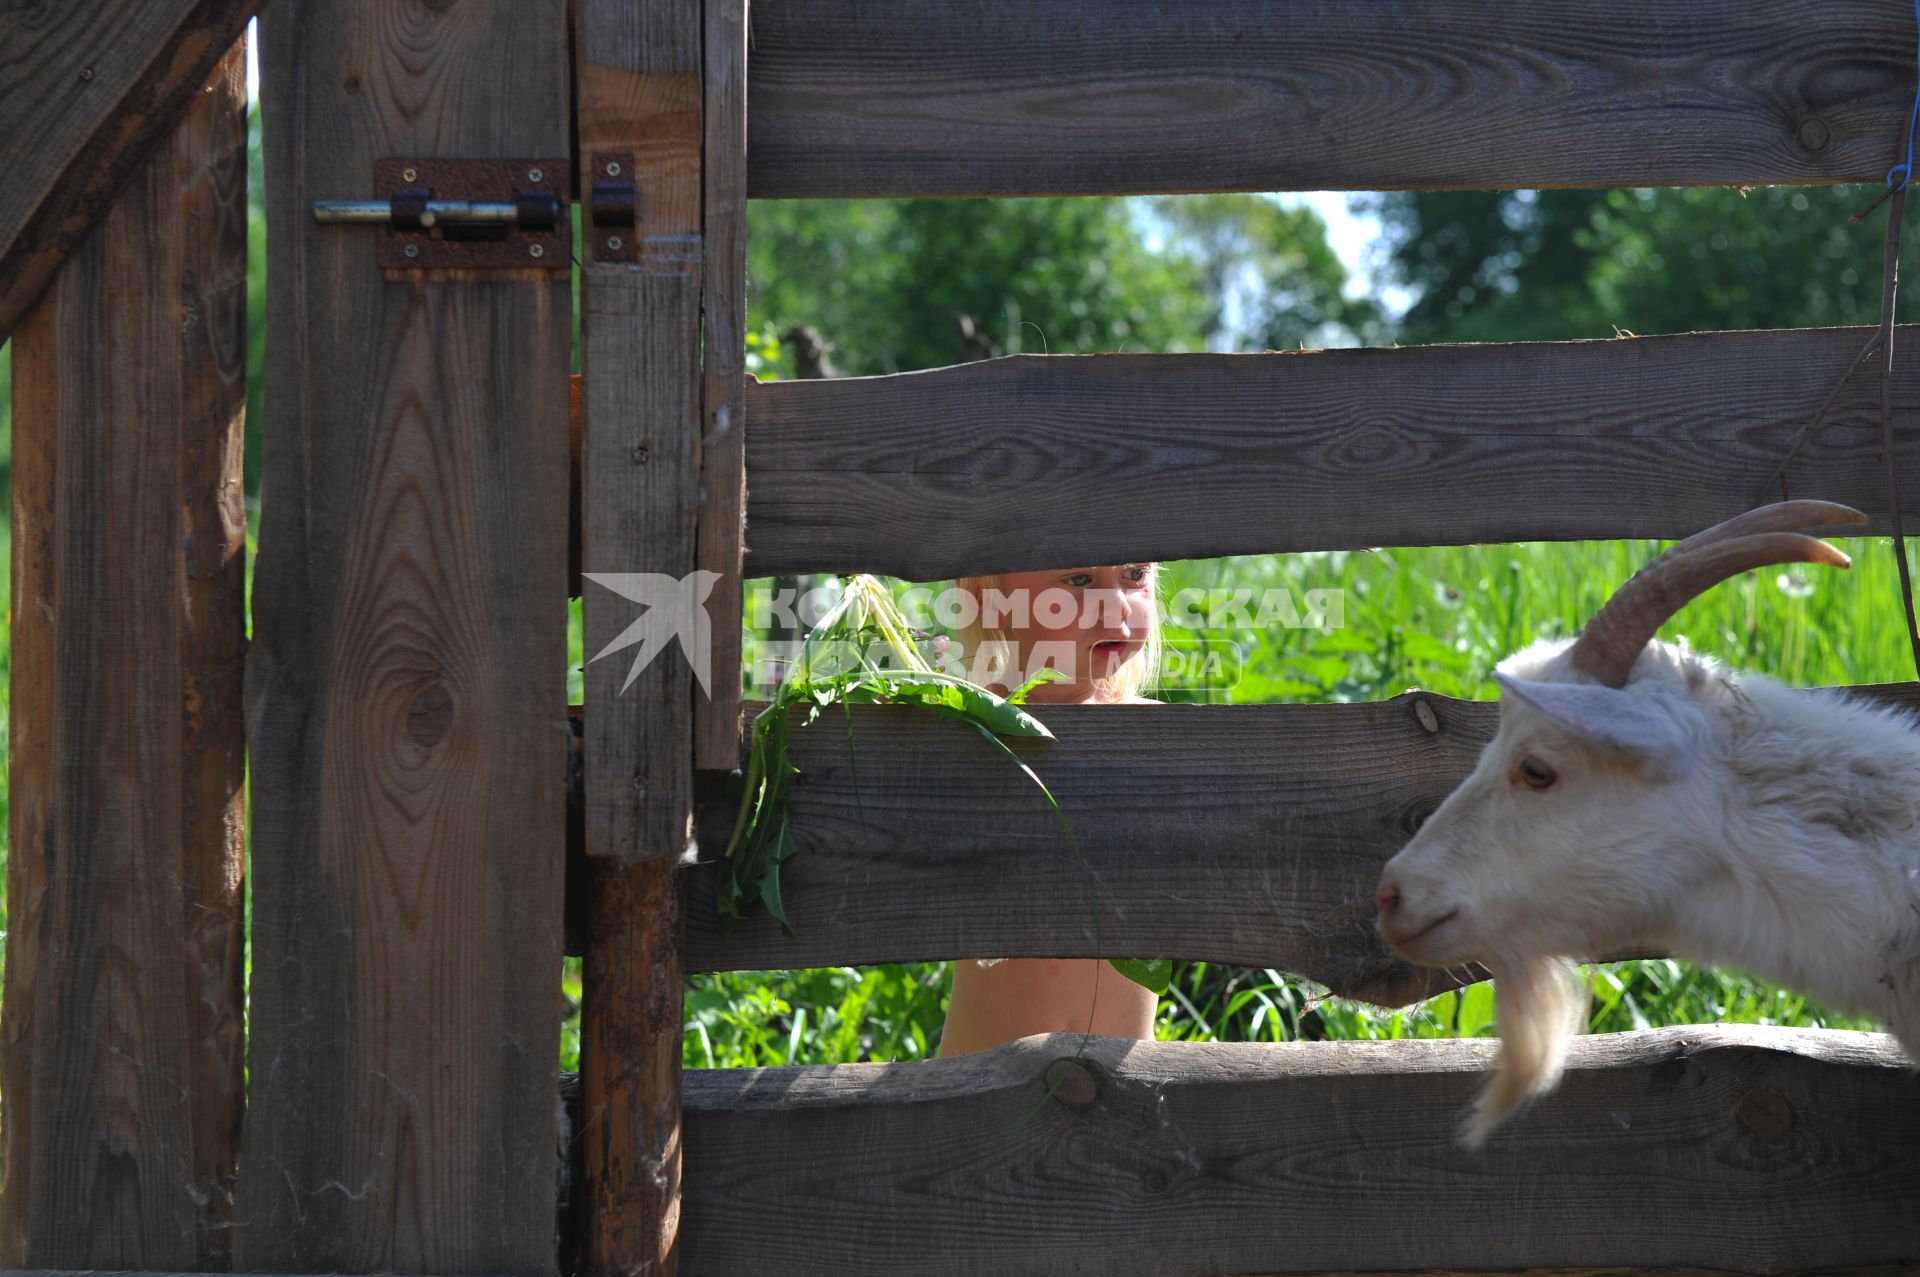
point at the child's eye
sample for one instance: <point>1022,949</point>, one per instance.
<point>1138,575</point>
<point>1080,580</point>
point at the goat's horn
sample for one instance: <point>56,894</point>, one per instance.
<point>1613,640</point>
<point>1781,516</point>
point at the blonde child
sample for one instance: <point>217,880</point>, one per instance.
<point>1108,659</point>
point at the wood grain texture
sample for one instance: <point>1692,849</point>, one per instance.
<point>640,475</point>
<point>640,71</point>
<point>576,420</point>
<point>1735,1148</point>
<point>123,1012</point>
<point>1842,1270</point>
<point>88,89</point>
<point>1247,834</point>
<point>1077,97</point>
<point>405,687</point>
<point>723,475</point>
<point>630,1029</point>
<point>639,96</point>
<point>1031,461</point>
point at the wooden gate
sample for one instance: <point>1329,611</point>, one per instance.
<point>403,701</point>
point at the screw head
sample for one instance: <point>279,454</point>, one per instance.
<point>613,168</point>
<point>535,175</point>
<point>614,242</point>
<point>410,175</point>
<point>412,250</point>
<point>535,250</point>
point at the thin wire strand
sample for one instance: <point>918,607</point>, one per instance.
<point>1890,286</point>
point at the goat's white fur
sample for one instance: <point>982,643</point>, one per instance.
<point>1720,818</point>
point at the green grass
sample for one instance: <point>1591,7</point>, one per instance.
<point>1438,619</point>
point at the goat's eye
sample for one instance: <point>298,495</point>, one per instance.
<point>1536,773</point>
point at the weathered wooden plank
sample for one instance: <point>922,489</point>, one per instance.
<point>1848,1270</point>
<point>406,678</point>
<point>723,474</point>
<point>1249,834</point>
<point>640,112</point>
<point>1076,97</point>
<point>576,413</point>
<point>1029,462</point>
<point>88,90</point>
<point>639,105</point>
<point>122,1044</point>
<point>1739,1148</point>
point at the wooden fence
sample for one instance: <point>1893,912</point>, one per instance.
<point>416,856</point>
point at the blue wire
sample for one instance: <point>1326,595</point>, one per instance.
<point>1905,168</point>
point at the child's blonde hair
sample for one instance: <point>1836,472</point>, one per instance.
<point>1131,680</point>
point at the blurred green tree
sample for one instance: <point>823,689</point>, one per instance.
<point>886,281</point>
<point>1542,265</point>
<point>1270,278</point>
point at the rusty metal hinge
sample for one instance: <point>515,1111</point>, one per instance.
<point>465,214</point>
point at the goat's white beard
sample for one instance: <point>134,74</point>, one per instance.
<point>1541,1006</point>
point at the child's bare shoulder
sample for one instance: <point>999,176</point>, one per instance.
<point>1140,700</point>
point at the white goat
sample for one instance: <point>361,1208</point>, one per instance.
<point>1637,794</point>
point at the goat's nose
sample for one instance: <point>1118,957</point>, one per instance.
<point>1388,898</point>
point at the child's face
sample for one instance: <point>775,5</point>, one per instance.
<point>1086,622</point>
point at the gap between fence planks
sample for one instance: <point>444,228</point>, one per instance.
<point>89,92</point>
<point>123,1013</point>
<point>1033,461</point>
<point>1739,1148</point>
<point>1247,834</point>
<point>1005,97</point>
<point>406,680</point>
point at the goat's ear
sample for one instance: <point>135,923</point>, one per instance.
<point>1608,717</point>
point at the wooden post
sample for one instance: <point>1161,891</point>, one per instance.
<point>639,119</point>
<point>122,1044</point>
<point>405,686</point>
<point>639,74</point>
<point>89,91</point>
<point>723,453</point>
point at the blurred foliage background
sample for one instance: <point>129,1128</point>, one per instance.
<point>892,286</point>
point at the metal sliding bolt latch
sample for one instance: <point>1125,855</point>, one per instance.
<point>415,209</point>
<point>464,214</point>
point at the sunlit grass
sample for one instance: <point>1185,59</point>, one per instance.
<point>1433,618</point>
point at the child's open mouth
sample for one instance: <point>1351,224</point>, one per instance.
<point>1109,652</point>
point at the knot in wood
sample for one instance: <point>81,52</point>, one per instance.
<point>1764,1111</point>
<point>1813,134</point>
<point>1072,1083</point>
<point>430,717</point>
